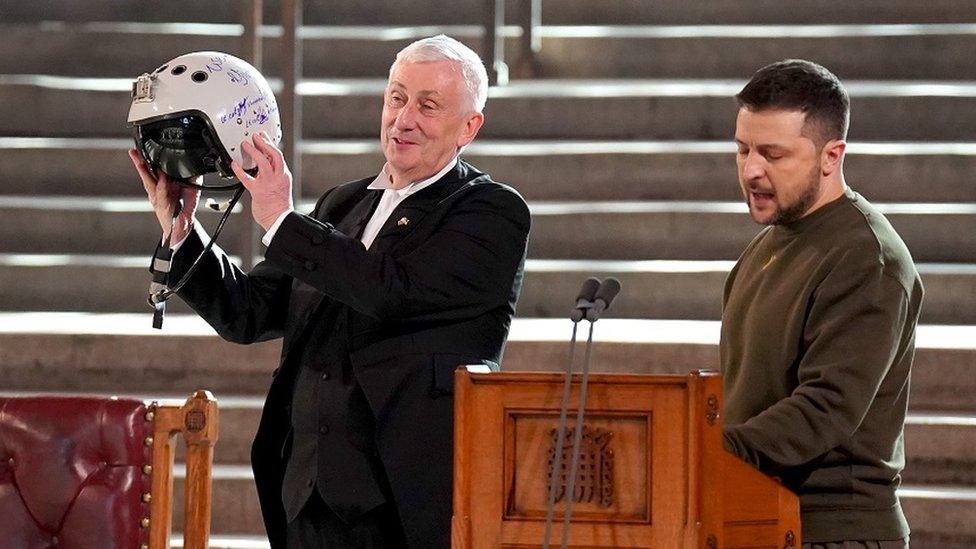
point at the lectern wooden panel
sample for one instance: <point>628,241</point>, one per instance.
<point>653,472</point>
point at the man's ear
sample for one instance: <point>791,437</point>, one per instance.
<point>832,156</point>
<point>470,130</point>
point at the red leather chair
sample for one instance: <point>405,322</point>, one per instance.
<point>96,472</point>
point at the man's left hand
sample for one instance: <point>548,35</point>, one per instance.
<point>271,188</point>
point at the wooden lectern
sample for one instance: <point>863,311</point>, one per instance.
<point>653,471</point>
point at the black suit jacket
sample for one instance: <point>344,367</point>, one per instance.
<point>436,289</point>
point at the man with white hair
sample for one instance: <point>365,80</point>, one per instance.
<point>389,285</point>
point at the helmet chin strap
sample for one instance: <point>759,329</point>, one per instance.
<point>159,289</point>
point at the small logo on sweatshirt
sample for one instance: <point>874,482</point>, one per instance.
<point>403,222</point>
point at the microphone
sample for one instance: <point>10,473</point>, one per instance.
<point>584,299</point>
<point>604,296</point>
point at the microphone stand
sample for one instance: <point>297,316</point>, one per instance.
<point>577,438</point>
<point>592,303</point>
<point>583,302</point>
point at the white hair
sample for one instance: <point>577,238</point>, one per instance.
<point>445,48</point>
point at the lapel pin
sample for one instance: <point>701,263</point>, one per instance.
<point>403,222</point>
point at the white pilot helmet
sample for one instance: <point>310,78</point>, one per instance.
<point>192,113</point>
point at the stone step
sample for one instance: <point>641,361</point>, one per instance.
<point>689,290</point>
<point>658,109</point>
<point>47,106</point>
<point>57,47</point>
<point>919,541</point>
<point>938,445</point>
<point>560,12</point>
<point>234,508</point>
<point>718,230</point>
<point>733,51</point>
<point>607,51</point>
<point>561,230</point>
<point>95,224</point>
<point>540,169</point>
<point>942,514</point>
<point>92,283</point>
<point>84,352</point>
<point>712,230</point>
<point>692,290</point>
<point>939,449</point>
<point>629,12</point>
<point>220,541</point>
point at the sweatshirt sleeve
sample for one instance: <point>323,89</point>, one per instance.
<point>855,323</point>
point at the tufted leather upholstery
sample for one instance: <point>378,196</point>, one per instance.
<point>71,472</point>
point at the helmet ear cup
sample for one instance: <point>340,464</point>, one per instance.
<point>217,160</point>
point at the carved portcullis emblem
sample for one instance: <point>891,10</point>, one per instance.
<point>594,477</point>
<point>195,421</point>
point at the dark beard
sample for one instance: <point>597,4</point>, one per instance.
<point>796,210</point>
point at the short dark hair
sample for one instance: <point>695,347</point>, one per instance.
<point>796,84</point>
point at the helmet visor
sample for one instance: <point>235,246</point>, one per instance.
<point>182,147</point>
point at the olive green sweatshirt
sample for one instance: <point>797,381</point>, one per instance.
<point>818,339</point>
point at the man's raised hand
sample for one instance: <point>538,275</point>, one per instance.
<point>164,194</point>
<point>270,188</point>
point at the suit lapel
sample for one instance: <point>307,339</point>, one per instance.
<point>352,223</point>
<point>409,214</point>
